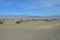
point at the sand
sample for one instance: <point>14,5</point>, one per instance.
<point>32,30</point>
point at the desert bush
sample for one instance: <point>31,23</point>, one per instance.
<point>27,20</point>
<point>21,20</point>
<point>34,19</point>
<point>17,22</point>
<point>47,20</point>
<point>1,21</point>
<point>54,19</point>
<point>38,19</point>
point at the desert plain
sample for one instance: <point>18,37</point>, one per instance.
<point>32,29</point>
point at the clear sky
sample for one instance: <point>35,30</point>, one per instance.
<point>30,7</point>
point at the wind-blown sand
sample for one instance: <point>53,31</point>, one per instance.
<point>32,30</point>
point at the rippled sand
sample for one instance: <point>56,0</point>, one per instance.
<point>30,31</point>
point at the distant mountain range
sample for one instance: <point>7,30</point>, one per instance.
<point>27,16</point>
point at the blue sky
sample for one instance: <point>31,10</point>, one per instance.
<point>30,7</point>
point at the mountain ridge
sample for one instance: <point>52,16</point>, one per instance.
<point>27,16</point>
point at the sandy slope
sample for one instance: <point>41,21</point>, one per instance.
<point>30,31</point>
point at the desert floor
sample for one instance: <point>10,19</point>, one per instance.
<point>32,30</point>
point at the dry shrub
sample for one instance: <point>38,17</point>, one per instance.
<point>27,20</point>
<point>54,19</point>
<point>47,20</point>
<point>17,22</point>
<point>1,21</point>
<point>34,19</point>
<point>21,20</point>
<point>39,19</point>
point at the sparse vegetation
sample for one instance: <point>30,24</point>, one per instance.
<point>27,20</point>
